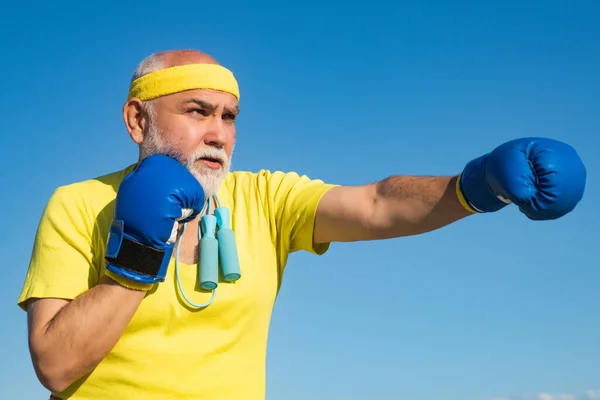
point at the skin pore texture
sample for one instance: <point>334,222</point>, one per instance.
<point>67,339</point>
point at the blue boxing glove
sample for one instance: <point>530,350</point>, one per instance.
<point>545,178</point>
<point>151,202</point>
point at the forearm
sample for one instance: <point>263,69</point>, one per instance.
<point>411,205</point>
<point>82,333</point>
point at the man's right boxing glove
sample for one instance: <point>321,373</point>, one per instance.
<point>151,201</point>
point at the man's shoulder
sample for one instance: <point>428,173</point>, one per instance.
<point>265,176</point>
<point>259,185</point>
<point>93,194</point>
<point>268,186</point>
<point>246,175</point>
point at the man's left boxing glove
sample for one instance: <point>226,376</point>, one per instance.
<point>545,178</point>
<point>151,202</point>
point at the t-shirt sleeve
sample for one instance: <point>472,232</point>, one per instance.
<point>293,202</point>
<point>62,260</point>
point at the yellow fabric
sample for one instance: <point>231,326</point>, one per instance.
<point>184,77</point>
<point>169,351</point>
<point>461,197</point>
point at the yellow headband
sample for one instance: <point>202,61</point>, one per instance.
<point>184,77</point>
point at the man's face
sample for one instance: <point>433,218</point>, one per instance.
<point>198,128</point>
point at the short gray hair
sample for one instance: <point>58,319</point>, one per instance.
<point>152,63</point>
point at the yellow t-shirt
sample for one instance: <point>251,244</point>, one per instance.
<point>169,351</point>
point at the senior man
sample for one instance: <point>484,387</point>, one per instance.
<point>158,281</point>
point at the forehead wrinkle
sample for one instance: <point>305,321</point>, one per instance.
<point>201,102</point>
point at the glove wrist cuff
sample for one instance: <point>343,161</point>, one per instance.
<point>135,261</point>
<point>461,197</point>
<point>473,188</point>
<point>128,283</point>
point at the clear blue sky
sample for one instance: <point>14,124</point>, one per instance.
<point>495,306</point>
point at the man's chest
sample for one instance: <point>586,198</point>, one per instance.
<point>179,302</point>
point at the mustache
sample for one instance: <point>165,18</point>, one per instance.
<point>211,153</point>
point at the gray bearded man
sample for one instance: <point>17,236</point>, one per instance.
<point>158,281</point>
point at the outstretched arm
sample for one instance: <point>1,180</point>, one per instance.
<point>394,207</point>
<point>545,178</point>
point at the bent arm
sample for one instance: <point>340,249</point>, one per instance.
<point>394,207</point>
<point>68,339</point>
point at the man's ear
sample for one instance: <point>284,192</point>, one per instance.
<point>136,120</point>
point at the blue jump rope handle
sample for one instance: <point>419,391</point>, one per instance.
<point>228,255</point>
<point>209,253</point>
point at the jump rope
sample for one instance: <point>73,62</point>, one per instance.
<point>217,248</point>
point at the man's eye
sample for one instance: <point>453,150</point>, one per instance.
<point>229,116</point>
<point>199,111</point>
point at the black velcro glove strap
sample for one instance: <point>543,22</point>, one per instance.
<point>137,257</point>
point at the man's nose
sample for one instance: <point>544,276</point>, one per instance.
<point>215,133</point>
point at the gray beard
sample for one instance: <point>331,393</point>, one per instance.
<point>210,179</point>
